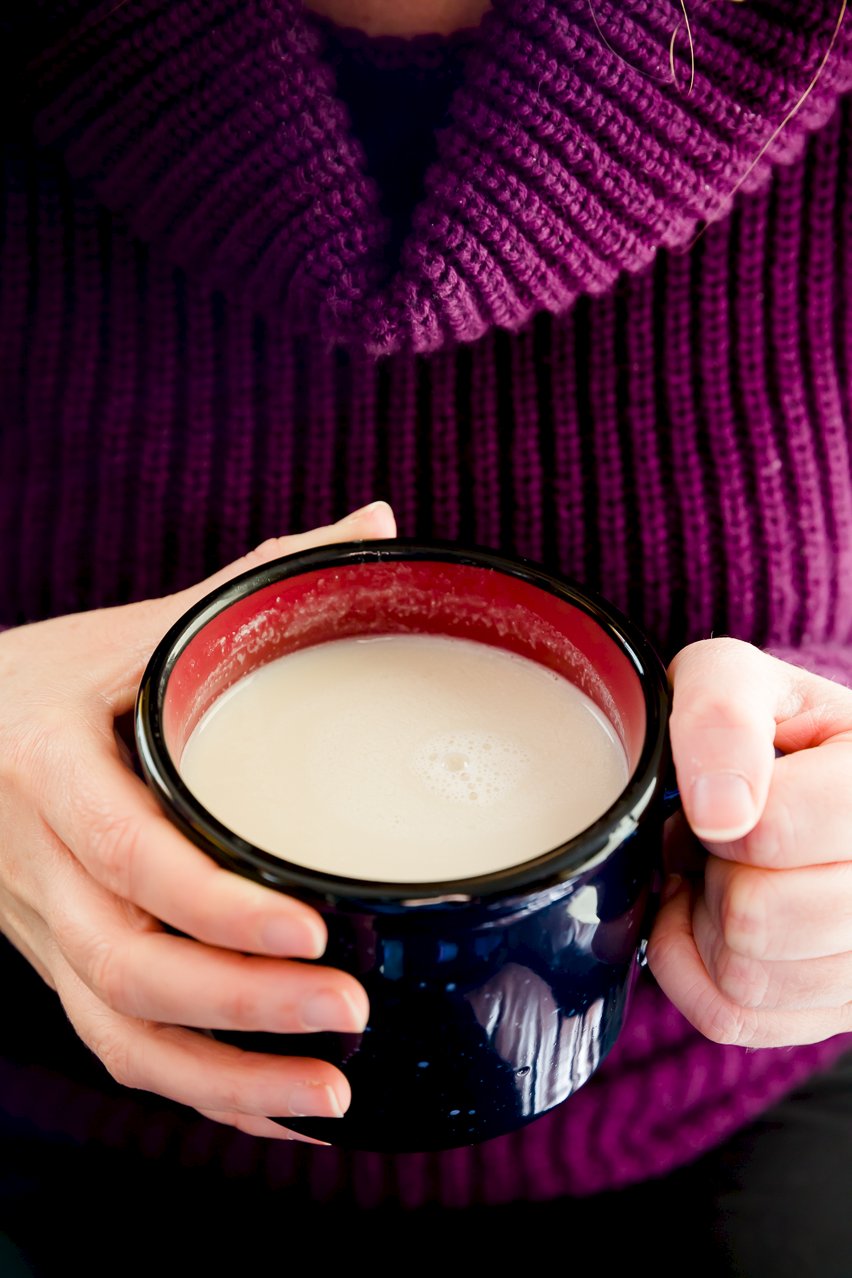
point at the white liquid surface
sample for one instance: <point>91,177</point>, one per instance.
<point>405,758</point>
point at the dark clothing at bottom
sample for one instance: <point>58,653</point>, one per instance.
<point>774,1202</point>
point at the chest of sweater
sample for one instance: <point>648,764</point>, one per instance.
<point>681,443</point>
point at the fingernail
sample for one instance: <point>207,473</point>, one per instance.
<point>670,888</point>
<point>355,516</point>
<point>332,1010</point>
<point>314,1100</point>
<point>722,807</point>
<point>358,516</point>
<point>291,938</point>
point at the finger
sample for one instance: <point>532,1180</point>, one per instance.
<point>264,1127</point>
<point>781,915</point>
<point>196,1070</point>
<point>680,972</point>
<point>732,706</point>
<point>724,706</point>
<point>137,969</point>
<point>154,976</point>
<point>368,524</point>
<point>139,627</point>
<point>114,827</point>
<point>748,982</point>
<point>807,819</point>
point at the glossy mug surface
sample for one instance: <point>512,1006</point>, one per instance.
<point>492,998</point>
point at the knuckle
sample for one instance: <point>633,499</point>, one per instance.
<point>233,1094</point>
<point>272,548</point>
<point>235,1087</point>
<point>65,935</point>
<point>114,844</point>
<point>107,977</point>
<point>114,1054</point>
<point>104,967</point>
<point>240,1007</point>
<point>743,914</point>
<point>33,750</point>
<point>742,980</point>
<point>90,955</point>
<point>711,708</point>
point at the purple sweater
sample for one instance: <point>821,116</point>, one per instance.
<point>217,324</point>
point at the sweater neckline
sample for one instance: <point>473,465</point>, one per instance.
<point>397,93</point>
<point>216,131</point>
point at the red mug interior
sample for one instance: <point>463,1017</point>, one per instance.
<point>404,596</point>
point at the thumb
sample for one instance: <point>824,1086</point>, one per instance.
<point>367,524</point>
<point>144,624</point>
<point>727,696</point>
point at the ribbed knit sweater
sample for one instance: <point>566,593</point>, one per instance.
<point>237,298</point>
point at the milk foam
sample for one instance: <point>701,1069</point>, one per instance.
<point>405,758</point>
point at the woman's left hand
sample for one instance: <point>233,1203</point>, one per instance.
<point>758,950</point>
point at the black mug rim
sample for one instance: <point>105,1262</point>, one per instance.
<point>548,869</point>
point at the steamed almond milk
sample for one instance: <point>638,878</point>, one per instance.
<point>405,758</point>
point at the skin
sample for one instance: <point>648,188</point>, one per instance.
<point>755,948</point>
<point>403,17</point>
<point>754,943</point>
<point>90,870</point>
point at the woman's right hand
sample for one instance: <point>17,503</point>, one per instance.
<point>91,871</point>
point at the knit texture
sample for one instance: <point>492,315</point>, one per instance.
<point>568,156</point>
<point>199,267</point>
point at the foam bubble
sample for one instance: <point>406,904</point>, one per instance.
<point>470,767</point>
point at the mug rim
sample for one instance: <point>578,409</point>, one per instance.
<point>552,868</point>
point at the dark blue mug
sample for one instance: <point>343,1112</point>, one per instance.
<point>493,998</point>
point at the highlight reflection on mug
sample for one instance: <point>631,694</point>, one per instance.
<point>562,1051</point>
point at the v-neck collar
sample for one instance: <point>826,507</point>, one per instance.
<point>215,129</point>
<point>397,93</point>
